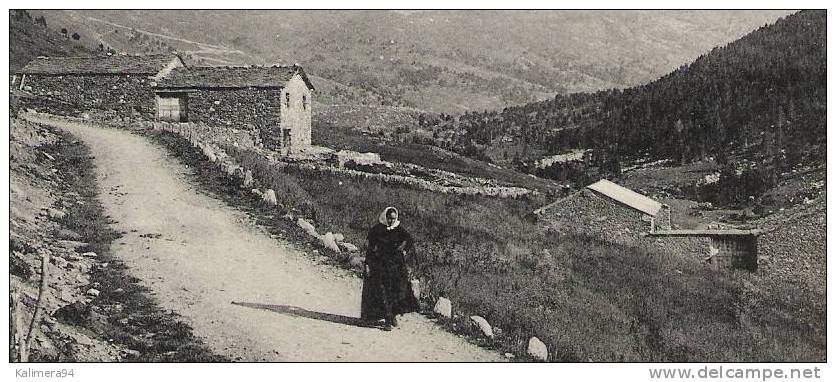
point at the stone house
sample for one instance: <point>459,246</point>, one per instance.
<point>120,83</point>
<point>275,100</point>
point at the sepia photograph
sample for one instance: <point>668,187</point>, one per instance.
<point>419,186</point>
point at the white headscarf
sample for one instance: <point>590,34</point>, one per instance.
<point>382,218</point>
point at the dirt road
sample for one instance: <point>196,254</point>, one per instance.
<point>198,255</point>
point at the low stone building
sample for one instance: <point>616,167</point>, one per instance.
<point>606,208</point>
<point>617,214</point>
<point>120,83</point>
<point>275,100</point>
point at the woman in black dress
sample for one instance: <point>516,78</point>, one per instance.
<point>387,291</point>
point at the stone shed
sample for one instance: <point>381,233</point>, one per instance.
<point>120,83</point>
<point>617,214</point>
<point>275,100</point>
<point>606,208</point>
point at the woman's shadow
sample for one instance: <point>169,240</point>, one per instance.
<point>301,312</point>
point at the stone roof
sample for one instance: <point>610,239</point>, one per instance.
<point>626,196</point>
<point>231,77</point>
<point>113,64</point>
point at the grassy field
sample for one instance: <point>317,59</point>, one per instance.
<point>123,312</point>
<point>587,299</point>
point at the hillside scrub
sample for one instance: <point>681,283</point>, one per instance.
<point>584,297</point>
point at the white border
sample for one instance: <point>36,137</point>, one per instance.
<point>392,372</point>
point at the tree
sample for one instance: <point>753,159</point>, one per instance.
<point>76,36</point>
<point>64,32</point>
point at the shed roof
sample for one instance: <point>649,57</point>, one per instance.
<point>231,77</point>
<point>113,64</point>
<point>626,196</point>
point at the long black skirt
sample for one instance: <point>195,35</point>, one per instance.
<point>387,292</point>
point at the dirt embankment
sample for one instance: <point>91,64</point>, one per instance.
<point>90,309</point>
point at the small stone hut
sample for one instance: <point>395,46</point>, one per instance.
<point>614,213</point>
<point>120,83</point>
<point>275,100</point>
<point>605,208</point>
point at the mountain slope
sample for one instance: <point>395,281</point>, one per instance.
<point>439,60</point>
<point>31,37</point>
<point>764,93</point>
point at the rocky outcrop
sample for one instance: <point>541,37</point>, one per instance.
<point>416,288</point>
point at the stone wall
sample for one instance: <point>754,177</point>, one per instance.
<point>244,108</point>
<point>413,182</point>
<point>198,132</point>
<point>125,94</point>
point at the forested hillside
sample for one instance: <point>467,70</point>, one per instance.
<point>765,93</point>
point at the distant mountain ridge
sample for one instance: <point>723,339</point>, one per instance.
<point>451,61</point>
<point>764,93</point>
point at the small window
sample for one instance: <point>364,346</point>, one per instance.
<point>287,100</point>
<point>304,102</point>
